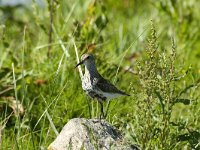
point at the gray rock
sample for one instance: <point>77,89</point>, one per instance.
<point>89,134</point>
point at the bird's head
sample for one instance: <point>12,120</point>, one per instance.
<point>86,59</point>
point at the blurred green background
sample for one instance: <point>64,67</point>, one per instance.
<point>40,90</point>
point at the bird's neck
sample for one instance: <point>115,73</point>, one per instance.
<point>91,71</point>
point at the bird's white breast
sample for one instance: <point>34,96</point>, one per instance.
<point>86,83</point>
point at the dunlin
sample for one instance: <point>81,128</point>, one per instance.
<point>95,85</point>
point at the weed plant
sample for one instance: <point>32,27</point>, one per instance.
<point>159,96</point>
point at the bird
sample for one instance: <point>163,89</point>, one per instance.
<point>94,85</point>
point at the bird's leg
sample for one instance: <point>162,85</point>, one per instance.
<point>89,107</point>
<point>102,113</point>
<point>107,107</point>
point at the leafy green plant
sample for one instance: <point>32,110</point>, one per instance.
<point>157,99</point>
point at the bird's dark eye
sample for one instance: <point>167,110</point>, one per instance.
<point>88,57</point>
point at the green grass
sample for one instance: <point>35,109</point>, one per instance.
<point>40,90</point>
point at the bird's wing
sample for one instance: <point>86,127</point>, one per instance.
<point>105,86</point>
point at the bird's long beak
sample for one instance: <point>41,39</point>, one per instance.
<point>80,63</point>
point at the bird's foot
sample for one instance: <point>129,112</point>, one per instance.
<point>101,117</point>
